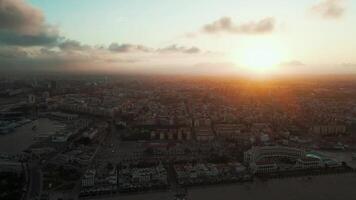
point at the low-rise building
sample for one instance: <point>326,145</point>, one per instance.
<point>88,180</point>
<point>204,134</point>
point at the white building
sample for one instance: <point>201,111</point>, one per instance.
<point>270,159</point>
<point>263,167</point>
<point>257,153</point>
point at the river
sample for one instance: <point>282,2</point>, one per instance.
<point>23,137</point>
<point>326,187</point>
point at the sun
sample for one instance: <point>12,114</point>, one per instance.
<point>260,58</point>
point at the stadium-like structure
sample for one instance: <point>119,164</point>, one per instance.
<point>269,159</point>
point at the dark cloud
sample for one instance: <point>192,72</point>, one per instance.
<point>226,25</point>
<point>293,63</point>
<point>127,48</point>
<point>47,52</point>
<point>18,16</point>
<point>24,25</point>
<point>27,42</point>
<point>72,45</point>
<point>41,39</point>
<point>12,53</point>
<point>329,9</point>
<point>179,49</point>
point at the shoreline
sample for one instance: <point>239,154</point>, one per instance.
<point>339,186</point>
<point>247,185</point>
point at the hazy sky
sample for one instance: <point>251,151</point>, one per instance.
<point>179,36</point>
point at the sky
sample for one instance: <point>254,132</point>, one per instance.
<point>179,36</point>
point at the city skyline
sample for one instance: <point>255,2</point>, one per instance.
<point>177,99</point>
<point>179,37</point>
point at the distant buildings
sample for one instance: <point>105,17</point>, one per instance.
<point>195,131</point>
<point>204,134</point>
<point>206,173</point>
<point>63,116</point>
<point>135,178</point>
<point>102,179</point>
<point>328,130</point>
<point>183,133</point>
<point>229,131</point>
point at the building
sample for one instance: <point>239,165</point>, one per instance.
<point>31,99</point>
<point>182,133</point>
<point>61,136</point>
<point>63,116</point>
<point>11,166</point>
<point>204,134</point>
<point>263,166</point>
<point>88,180</point>
<point>309,163</point>
<point>228,131</point>
<point>270,159</point>
<point>328,130</point>
<point>257,153</point>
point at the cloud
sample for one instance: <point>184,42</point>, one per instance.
<point>18,16</point>
<point>127,48</point>
<point>41,39</point>
<point>72,45</point>
<point>329,9</point>
<point>23,25</point>
<point>293,63</point>
<point>12,52</point>
<point>226,25</point>
<point>192,50</point>
<point>28,43</point>
<point>189,35</point>
<point>349,65</point>
<point>71,55</point>
<point>179,49</point>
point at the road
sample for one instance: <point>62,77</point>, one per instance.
<point>35,181</point>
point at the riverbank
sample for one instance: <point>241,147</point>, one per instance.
<point>337,186</point>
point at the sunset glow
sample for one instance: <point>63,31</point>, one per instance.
<point>259,59</point>
<point>177,99</point>
<point>227,37</point>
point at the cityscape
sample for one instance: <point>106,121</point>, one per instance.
<point>244,107</point>
<point>105,137</point>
